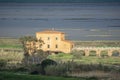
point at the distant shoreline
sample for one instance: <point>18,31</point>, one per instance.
<point>72,40</point>
<point>57,4</point>
<point>60,1</point>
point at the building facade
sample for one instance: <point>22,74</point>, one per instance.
<point>54,41</point>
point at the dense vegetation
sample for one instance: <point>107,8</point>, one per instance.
<point>13,76</point>
<point>65,65</point>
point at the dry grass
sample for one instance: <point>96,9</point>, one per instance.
<point>12,57</point>
<point>90,74</point>
<point>10,43</point>
<point>98,74</point>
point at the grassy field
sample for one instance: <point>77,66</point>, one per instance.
<point>97,43</point>
<point>10,43</point>
<point>17,76</point>
<point>12,57</point>
<point>85,59</point>
<point>14,43</point>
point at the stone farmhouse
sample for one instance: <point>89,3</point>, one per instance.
<point>54,41</point>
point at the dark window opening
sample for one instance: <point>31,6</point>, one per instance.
<point>56,46</point>
<point>56,38</point>
<point>48,38</point>
<point>48,46</point>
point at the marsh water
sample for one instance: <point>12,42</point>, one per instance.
<point>80,21</point>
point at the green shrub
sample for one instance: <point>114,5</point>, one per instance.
<point>77,54</point>
<point>2,64</point>
<point>47,62</point>
<point>21,69</point>
<point>35,69</point>
<point>92,53</point>
<point>61,54</point>
<point>56,70</point>
<point>35,58</point>
<point>103,54</point>
<point>92,78</point>
<point>39,68</point>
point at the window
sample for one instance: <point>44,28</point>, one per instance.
<point>56,38</point>
<point>56,46</point>
<point>48,46</point>
<point>48,38</point>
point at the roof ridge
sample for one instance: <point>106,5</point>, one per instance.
<point>50,31</point>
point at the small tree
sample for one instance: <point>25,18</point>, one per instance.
<point>77,54</point>
<point>35,58</point>
<point>29,44</point>
<point>33,62</point>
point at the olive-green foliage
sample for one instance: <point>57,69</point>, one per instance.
<point>85,59</point>
<point>47,62</point>
<point>91,67</point>
<point>18,76</point>
<point>21,69</point>
<point>92,53</point>
<point>29,39</point>
<point>35,58</point>
<point>60,57</point>
<point>24,40</point>
<point>77,54</point>
<point>42,54</point>
<point>56,70</point>
<point>104,53</point>
<point>12,60</point>
<point>62,69</point>
<point>2,64</point>
<point>36,69</point>
<point>92,78</point>
<point>36,62</point>
<point>10,43</point>
<point>40,68</point>
<point>12,56</point>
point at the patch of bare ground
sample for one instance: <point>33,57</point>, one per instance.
<point>100,75</point>
<point>115,76</point>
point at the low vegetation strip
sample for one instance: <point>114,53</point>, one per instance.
<point>15,76</point>
<point>97,43</point>
<point>10,46</point>
<point>10,43</point>
<point>15,43</point>
<point>85,59</point>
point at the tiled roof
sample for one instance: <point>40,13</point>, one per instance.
<point>51,32</point>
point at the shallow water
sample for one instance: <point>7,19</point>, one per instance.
<point>81,21</point>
